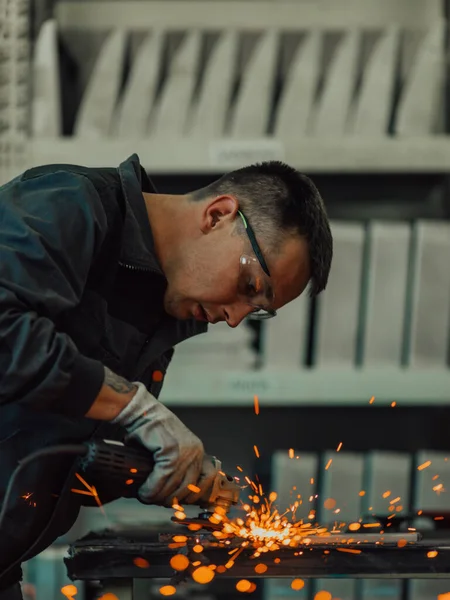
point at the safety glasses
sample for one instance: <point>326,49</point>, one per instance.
<point>254,284</point>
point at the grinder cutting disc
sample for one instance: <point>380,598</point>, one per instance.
<point>201,521</point>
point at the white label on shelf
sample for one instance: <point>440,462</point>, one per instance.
<point>240,153</point>
<point>248,384</point>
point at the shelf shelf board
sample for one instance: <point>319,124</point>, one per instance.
<point>196,155</point>
<point>199,387</point>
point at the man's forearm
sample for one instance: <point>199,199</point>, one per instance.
<point>115,394</point>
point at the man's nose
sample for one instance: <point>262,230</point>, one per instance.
<point>236,313</point>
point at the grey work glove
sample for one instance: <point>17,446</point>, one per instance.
<point>178,454</point>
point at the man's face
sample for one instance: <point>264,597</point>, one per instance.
<point>209,280</point>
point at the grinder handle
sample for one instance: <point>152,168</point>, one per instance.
<point>114,466</point>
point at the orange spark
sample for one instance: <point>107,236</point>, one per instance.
<point>432,554</point>
<point>395,500</point>
<point>194,488</point>
<point>362,493</point>
<point>82,492</point>
<point>243,585</point>
<point>401,543</point>
<point>88,487</point>
<point>203,575</point>
<point>393,404</point>
<point>372,400</point>
<point>141,563</point>
<point>424,465</point>
<point>339,447</point>
<point>297,584</point>
<point>323,595</point>
<point>349,550</point>
<point>93,491</point>
<point>261,568</point>
<point>167,590</point>
<point>386,494</point>
<point>69,591</point>
<point>291,452</point>
<point>327,466</point>
<point>179,562</point>
<point>179,538</point>
<point>240,469</point>
<point>256,404</point>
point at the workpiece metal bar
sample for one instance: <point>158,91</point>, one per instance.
<point>108,558</point>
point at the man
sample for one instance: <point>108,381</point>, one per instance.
<point>100,277</point>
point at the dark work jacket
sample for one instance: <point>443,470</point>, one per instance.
<point>80,288</point>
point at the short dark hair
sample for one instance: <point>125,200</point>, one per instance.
<point>276,197</point>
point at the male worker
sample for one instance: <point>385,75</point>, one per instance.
<point>100,277</point>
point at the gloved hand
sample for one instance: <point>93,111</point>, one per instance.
<point>178,454</point>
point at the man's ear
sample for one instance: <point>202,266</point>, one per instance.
<point>218,212</point>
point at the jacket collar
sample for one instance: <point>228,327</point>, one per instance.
<point>138,249</point>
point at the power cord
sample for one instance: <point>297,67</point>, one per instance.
<point>75,449</point>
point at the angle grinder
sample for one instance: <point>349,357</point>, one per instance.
<point>124,468</point>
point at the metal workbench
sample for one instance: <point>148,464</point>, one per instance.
<point>107,558</point>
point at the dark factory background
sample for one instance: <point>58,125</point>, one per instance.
<point>355,94</point>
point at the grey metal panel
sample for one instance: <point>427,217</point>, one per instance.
<point>383,472</point>
<point>133,112</point>
<point>287,473</point>
<point>419,589</point>
<point>297,96</point>
<point>280,589</point>
<point>338,306</point>
<point>430,296</point>
<point>425,497</point>
<point>385,296</point>
<point>207,116</point>
<point>284,339</point>
<point>421,102</point>
<point>96,112</point>
<point>342,482</point>
<point>170,112</point>
<point>330,115</point>
<point>374,104</point>
<point>250,116</point>
<point>46,117</point>
<point>340,589</point>
<point>387,589</point>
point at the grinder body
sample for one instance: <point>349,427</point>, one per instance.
<point>121,468</point>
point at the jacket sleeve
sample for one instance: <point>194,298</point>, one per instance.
<point>51,227</point>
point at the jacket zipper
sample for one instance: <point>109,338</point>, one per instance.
<point>135,268</point>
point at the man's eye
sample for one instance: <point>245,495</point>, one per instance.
<point>254,287</point>
<point>251,290</point>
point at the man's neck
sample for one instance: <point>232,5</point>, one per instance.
<point>165,214</point>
